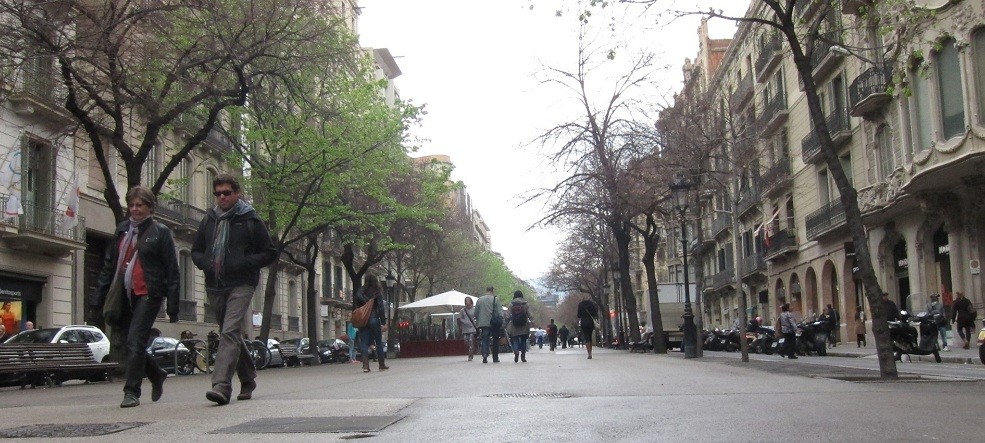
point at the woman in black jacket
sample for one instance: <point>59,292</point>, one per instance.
<point>140,271</point>
<point>373,331</point>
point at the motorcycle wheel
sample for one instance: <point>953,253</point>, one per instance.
<point>802,348</point>
<point>186,367</point>
<point>821,347</point>
<point>937,356</point>
<point>981,353</point>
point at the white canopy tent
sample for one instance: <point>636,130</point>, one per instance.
<point>443,303</point>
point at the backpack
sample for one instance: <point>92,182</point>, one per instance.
<point>496,321</point>
<point>519,313</point>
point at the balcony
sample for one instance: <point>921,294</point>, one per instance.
<point>770,54</point>
<point>44,230</point>
<point>781,243</point>
<point>823,59</point>
<point>748,197</point>
<point>182,216</point>
<point>776,178</point>
<point>854,7</point>
<point>187,310</point>
<point>293,323</point>
<point>743,91</point>
<point>335,297</point>
<point>299,254</point>
<point>721,224</point>
<point>775,114</point>
<point>218,141</point>
<point>707,237</point>
<point>722,279</point>
<point>38,91</point>
<point>868,91</point>
<point>838,126</point>
<point>752,264</point>
<point>825,220</point>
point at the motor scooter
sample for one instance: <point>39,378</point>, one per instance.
<point>905,339</point>
<point>763,343</point>
<point>981,343</point>
<point>812,336</point>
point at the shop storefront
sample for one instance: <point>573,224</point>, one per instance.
<point>19,299</point>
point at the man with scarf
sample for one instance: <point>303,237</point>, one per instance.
<point>140,271</point>
<point>231,246</point>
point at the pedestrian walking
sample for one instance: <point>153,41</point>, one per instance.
<point>469,328</point>
<point>563,334</point>
<point>936,310</point>
<point>788,327</point>
<point>587,313</point>
<point>518,326</point>
<point>889,308</point>
<point>372,333</point>
<point>963,315</point>
<point>489,319</point>
<point>140,272</point>
<point>231,247</point>
<point>552,335</point>
<point>353,332</point>
<point>834,325</point>
<point>860,327</point>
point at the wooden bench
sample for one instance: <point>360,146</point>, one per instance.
<point>293,358</point>
<point>51,363</point>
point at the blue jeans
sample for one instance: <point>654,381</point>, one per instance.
<point>942,331</point>
<point>352,346</point>
<point>488,338</point>
<point>371,334</point>
<point>519,343</point>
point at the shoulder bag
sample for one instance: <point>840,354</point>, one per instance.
<point>360,315</point>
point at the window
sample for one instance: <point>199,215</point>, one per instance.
<point>887,158</point>
<point>921,124</point>
<point>187,270</point>
<point>823,191</point>
<point>326,279</point>
<point>292,299</point>
<point>210,176</point>
<point>978,51</point>
<point>949,83</point>
<point>846,165</point>
<point>152,166</point>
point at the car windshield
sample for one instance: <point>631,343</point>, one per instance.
<point>34,336</point>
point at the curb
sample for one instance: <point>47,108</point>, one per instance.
<point>928,358</point>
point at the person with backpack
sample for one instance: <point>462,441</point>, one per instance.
<point>519,326</point>
<point>489,319</point>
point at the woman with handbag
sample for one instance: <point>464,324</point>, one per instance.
<point>370,297</point>
<point>467,322</point>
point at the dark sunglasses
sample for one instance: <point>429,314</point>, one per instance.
<point>222,193</point>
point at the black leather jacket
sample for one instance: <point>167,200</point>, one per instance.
<point>158,257</point>
<point>250,249</point>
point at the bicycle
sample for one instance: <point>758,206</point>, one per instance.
<point>203,353</point>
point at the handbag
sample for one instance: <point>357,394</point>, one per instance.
<point>360,315</point>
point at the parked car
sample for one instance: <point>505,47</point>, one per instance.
<point>162,350</point>
<point>333,350</point>
<point>90,335</point>
<point>299,344</point>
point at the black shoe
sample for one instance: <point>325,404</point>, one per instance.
<point>129,401</point>
<point>495,360</point>
<point>793,357</point>
<point>157,387</point>
<point>484,360</point>
<point>246,391</point>
<point>523,357</point>
<point>217,397</point>
<point>516,357</point>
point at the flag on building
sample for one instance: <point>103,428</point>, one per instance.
<point>767,228</point>
<point>71,218</point>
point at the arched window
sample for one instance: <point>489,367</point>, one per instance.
<point>210,176</point>
<point>292,299</point>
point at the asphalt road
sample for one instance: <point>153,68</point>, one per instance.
<point>559,396</point>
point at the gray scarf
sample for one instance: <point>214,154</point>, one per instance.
<point>129,241</point>
<point>221,240</point>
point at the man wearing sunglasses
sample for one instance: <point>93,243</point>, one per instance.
<point>231,246</point>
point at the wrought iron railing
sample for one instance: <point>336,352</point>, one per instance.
<point>781,241</point>
<point>768,50</point>
<point>752,264</point>
<point>50,221</point>
<point>722,278</point>
<point>872,81</point>
<point>827,217</point>
<point>721,223</point>
<point>743,90</point>
<point>749,197</point>
<point>776,174</point>
<point>837,122</point>
<point>772,106</point>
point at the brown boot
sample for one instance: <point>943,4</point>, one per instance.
<point>365,363</point>
<point>383,365</point>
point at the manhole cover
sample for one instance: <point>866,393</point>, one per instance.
<point>67,430</point>
<point>312,425</point>
<point>531,395</point>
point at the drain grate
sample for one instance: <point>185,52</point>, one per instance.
<point>312,425</point>
<point>531,395</point>
<point>67,430</point>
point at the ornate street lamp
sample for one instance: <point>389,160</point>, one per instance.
<point>681,194</point>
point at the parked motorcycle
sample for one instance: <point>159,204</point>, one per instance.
<point>812,336</point>
<point>981,343</point>
<point>906,340</point>
<point>764,340</point>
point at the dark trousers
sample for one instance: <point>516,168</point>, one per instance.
<point>489,341</point>
<point>553,341</point>
<point>860,340</point>
<point>790,344</point>
<point>964,330</point>
<point>138,324</point>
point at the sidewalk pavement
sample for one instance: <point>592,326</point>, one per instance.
<point>957,354</point>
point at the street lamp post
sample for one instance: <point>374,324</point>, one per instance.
<point>390,282</point>
<point>681,191</point>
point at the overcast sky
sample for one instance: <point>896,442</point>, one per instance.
<point>476,65</point>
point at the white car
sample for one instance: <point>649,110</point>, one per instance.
<point>90,335</point>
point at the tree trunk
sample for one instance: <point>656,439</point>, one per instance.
<point>621,234</point>
<point>734,188</point>
<point>853,216</point>
<point>650,242</point>
<point>269,294</point>
<point>313,305</point>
